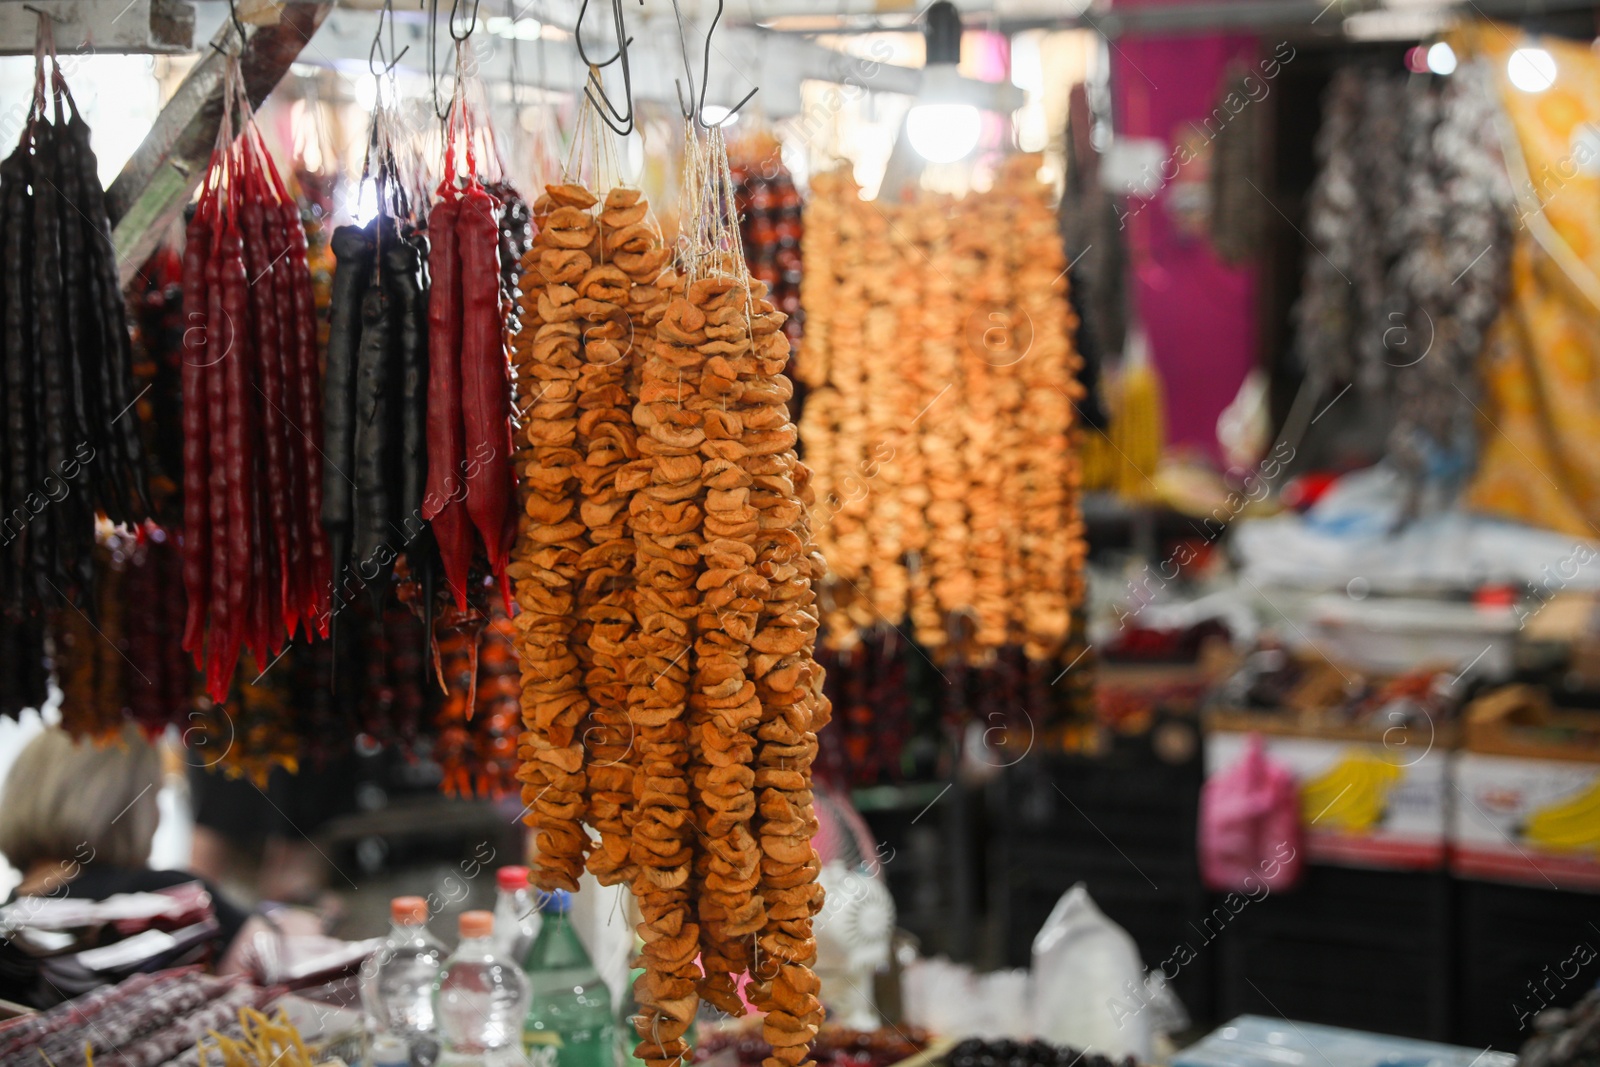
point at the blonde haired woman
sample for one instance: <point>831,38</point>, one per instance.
<point>70,804</point>
<point>77,818</point>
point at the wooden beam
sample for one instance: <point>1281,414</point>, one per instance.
<point>165,170</point>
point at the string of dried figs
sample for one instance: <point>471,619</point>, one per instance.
<point>732,726</point>
<point>665,516</point>
<point>625,305</point>
<point>1051,524</point>
<point>548,355</point>
<point>834,417</point>
<point>793,707</point>
<point>978,266</point>
<point>898,458</point>
<point>723,709</point>
<point>941,435</point>
<point>940,416</point>
<point>882,383</point>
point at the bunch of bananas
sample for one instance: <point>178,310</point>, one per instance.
<point>1573,825</point>
<point>1137,431</point>
<point>1123,458</point>
<point>1099,461</point>
<point>1351,796</point>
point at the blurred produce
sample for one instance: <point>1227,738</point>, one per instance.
<point>943,377</point>
<point>1408,217</point>
<point>977,1052</point>
<point>835,1046</point>
<point>1565,1037</point>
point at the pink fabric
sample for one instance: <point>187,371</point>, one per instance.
<point>1199,313</point>
<point>1250,826</point>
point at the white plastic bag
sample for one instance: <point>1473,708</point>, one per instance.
<point>951,999</point>
<point>1088,978</point>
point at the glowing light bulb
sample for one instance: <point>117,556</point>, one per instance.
<point>1533,70</point>
<point>943,133</point>
<point>364,90</point>
<point>366,205</point>
<point>1441,58</point>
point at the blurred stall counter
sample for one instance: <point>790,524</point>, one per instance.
<point>1255,1041</point>
<point>1368,798</point>
<point>1527,809</point>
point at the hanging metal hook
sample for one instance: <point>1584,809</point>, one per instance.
<point>622,125</point>
<point>377,51</point>
<point>238,25</point>
<point>619,122</point>
<point>455,7</point>
<point>705,76</point>
<point>433,60</point>
<point>684,106</point>
<point>395,62</point>
<point>577,39</point>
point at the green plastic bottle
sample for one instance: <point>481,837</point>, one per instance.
<point>569,1023</point>
<point>627,1034</point>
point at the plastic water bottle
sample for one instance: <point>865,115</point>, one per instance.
<point>516,919</point>
<point>397,983</point>
<point>569,1023</point>
<point>388,1050</point>
<point>480,999</point>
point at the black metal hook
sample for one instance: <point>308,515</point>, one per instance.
<point>577,39</point>
<point>43,13</point>
<point>455,6</point>
<point>238,26</point>
<point>699,105</point>
<point>596,95</point>
<point>619,122</point>
<point>433,59</point>
<point>733,111</point>
<point>377,49</point>
<point>686,107</point>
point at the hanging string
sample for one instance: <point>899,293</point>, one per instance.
<point>44,43</point>
<point>594,157</point>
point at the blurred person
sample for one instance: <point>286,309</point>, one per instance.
<point>77,818</point>
<point>258,840</point>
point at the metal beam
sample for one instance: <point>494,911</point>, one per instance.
<point>156,27</point>
<point>1305,17</point>
<point>742,58</point>
<point>1302,18</point>
<point>163,173</point>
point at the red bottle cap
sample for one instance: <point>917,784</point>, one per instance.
<point>476,924</point>
<point>409,911</point>
<point>511,878</point>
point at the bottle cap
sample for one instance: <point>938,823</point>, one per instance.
<point>389,1050</point>
<point>476,924</point>
<point>555,902</point>
<point>511,879</point>
<point>408,911</point>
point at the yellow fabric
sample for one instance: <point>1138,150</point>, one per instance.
<point>1539,458</point>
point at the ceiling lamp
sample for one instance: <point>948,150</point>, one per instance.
<point>942,126</point>
<point>1533,70</point>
